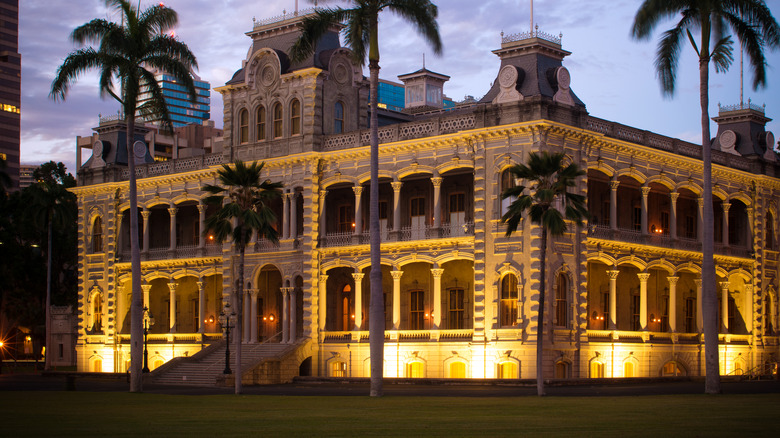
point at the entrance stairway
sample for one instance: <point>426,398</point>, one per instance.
<point>204,368</point>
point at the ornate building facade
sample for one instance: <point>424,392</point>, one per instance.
<point>460,297</point>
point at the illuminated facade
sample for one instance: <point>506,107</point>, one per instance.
<point>10,88</point>
<point>624,292</point>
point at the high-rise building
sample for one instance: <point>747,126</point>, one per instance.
<point>10,87</point>
<point>181,109</point>
<point>26,178</point>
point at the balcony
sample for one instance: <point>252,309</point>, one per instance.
<point>405,234</point>
<point>663,240</point>
<point>464,335</point>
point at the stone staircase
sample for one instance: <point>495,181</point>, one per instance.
<point>206,367</point>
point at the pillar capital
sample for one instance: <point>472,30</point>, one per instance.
<point>672,280</point>
<point>697,282</point>
<point>613,274</point>
<point>645,191</point>
<point>172,211</point>
<point>396,274</point>
<point>436,180</point>
<point>172,286</point>
<point>726,206</point>
<point>437,272</point>
<point>202,207</point>
<point>201,284</point>
<point>323,278</point>
<point>358,190</point>
<point>396,185</point>
<point>145,213</point>
<point>643,277</point>
<point>674,196</point>
<point>323,193</point>
<point>613,184</point>
<point>146,287</point>
<point>724,284</point>
<point>358,276</point>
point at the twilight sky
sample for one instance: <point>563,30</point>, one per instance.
<point>613,74</point>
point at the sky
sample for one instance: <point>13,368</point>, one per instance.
<point>612,73</point>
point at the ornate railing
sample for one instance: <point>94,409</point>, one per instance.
<point>457,230</point>
<point>663,240</point>
<point>536,33</point>
<point>741,106</point>
<point>280,18</point>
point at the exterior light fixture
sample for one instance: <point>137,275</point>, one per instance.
<point>271,317</point>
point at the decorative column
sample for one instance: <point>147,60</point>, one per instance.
<point>700,220</point>
<point>293,215</point>
<point>322,301</point>
<point>358,300</point>
<point>172,305</point>
<point>285,315</point>
<point>673,303</point>
<point>396,298</point>
<point>645,194</point>
<point>613,275</point>
<point>396,206</point>
<point>436,201</point>
<point>613,184</point>
<point>172,214</point>
<point>293,315</point>
<point>643,300</point>
<point>145,213</point>
<point>286,216</point>
<point>724,307</point>
<point>726,206</point>
<point>358,210</point>
<point>323,223</point>
<point>201,306</point>
<point>699,320</point>
<point>750,224</point>
<point>673,215</point>
<point>253,316</point>
<point>201,225</point>
<point>437,273</point>
<point>146,288</point>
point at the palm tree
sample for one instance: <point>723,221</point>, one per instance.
<point>126,53</point>
<point>52,206</point>
<point>754,26</point>
<point>243,198</point>
<point>361,30</point>
<point>549,178</point>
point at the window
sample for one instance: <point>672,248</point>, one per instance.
<point>561,311</point>
<point>665,222</point>
<point>97,235</point>
<point>346,218</point>
<point>295,117</point>
<point>338,369</point>
<point>596,370</point>
<point>606,213</point>
<point>770,231</point>
<point>690,315</point>
<point>637,219</point>
<point>690,227</point>
<point>635,311</point>
<point>664,313</point>
<point>507,370</point>
<point>507,182</point>
<point>628,369</point>
<point>605,309</point>
<point>672,369</point>
<point>97,313</point>
<point>277,120</point>
<point>457,370</point>
<point>769,329</point>
<point>415,370</point>
<point>416,310</point>
<point>732,309</point>
<point>738,369</point>
<point>338,118</point>
<point>457,309</point>
<point>562,370</point>
<point>346,308</point>
<point>97,366</point>
<point>417,209</point>
<point>457,213</point>
<point>260,120</point>
<point>508,312</point>
<point>243,126</point>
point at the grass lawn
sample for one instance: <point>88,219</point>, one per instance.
<point>125,414</point>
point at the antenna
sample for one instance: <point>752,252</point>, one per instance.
<point>532,17</point>
<point>741,80</point>
<point>423,60</point>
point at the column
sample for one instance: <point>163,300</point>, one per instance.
<point>699,320</point>
<point>673,303</point>
<point>700,219</point>
<point>286,216</point>
<point>293,215</point>
<point>726,206</point>
<point>323,223</point>
<point>613,275</point>
<point>146,288</point>
<point>172,214</point>
<point>724,306</point>
<point>396,205</point>
<point>613,184</point>
<point>437,273</point>
<point>643,300</point>
<point>202,225</point>
<point>293,315</point>
<point>145,213</point>
<point>253,316</point>
<point>751,222</point>
<point>396,298</point>
<point>285,315</point>
<point>673,215</point>
<point>358,300</point>
<point>436,201</point>
<point>172,305</point>
<point>645,194</point>
<point>358,210</point>
<point>322,301</point>
<point>201,305</point>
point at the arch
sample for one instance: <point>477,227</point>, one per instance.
<point>339,179</point>
<point>673,368</point>
<point>596,367</point>
<point>507,368</point>
<point>96,309</point>
<point>720,193</point>
<point>415,368</point>
<point>454,165</point>
<point>508,299</point>
<point>255,61</point>
<point>243,126</point>
<point>182,198</point>
<point>630,366</point>
<point>452,256</point>
<point>414,258</point>
<point>602,258</point>
<point>337,367</point>
<point>96,364</point>
<point>264,267</point>
<point>563,369</point>
<point>154,275</point>
<point>455,367</point>
<point>663,265</point>
<point>690,267</point>
<point>691,186</point>
<point>563,287</point>
<point>631,260</point>
<point>739,366</point>
<point>414,169</point>
<point>742,197</point>
<point>632,173</point>
<point>261,117</point>
<point>96,233</point>
<point>663,180</point>
<point>600,166</point>
<point>277,116</point>
<point>295,117</point>
<point>365,177</point>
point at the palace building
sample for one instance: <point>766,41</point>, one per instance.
<point>460,297</point>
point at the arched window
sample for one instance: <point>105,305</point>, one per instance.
<point>346,308</point>
<point>243,126</point>
<point>278,120</point>
<point>457,370</point>
<point>507,370</point>
<point>629,369</point>
<point>508,312</point>
<point>562,370</point>
<point>338,118</point>
<point>295,117</point>
<point>97,235</point>
<point>338,369</point>
<point>769,329</point>
<point>97,313</point>
<point>260,120</point>
<point>561,304</point>
<point>770,230</point>
<point>415,370</point>
<point>672,368</point>
<point>596,370</point>
<point>507,181</point>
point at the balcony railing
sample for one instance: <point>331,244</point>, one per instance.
<point>401,335</point>
<point>663,240</point>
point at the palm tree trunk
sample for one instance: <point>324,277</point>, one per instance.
<point>239,330</point>
<point>709,297</point>
<point>136,306</point>
<point>540,328</point>
<point>376,310</point>
<point>47,358</point>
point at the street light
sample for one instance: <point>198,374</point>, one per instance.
<point>224,318</point>
<point>148,322</point>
